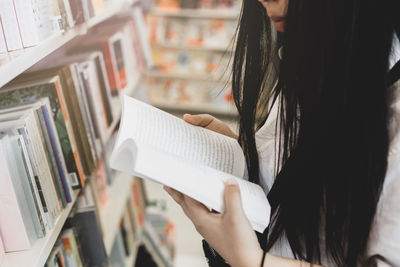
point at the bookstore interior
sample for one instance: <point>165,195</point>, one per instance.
<point>64,67</point>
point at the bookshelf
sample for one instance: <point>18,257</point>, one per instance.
<point>193,48</point>
<point>196,13</point>
<point>31,56</point>
<point>227,111</point>
<point>202,78</point>
<point>119,192</point>
<point>39,253</point>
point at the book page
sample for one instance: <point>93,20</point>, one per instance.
<point>148,125</point>
<point>201,183</point>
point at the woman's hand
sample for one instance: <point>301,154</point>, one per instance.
<point>211,123</point>
<point>229,233</point>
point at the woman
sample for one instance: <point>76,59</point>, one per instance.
<point>326,146</point>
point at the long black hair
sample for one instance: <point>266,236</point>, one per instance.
<point>333,118</point>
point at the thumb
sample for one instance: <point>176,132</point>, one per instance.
<point>233,201</point>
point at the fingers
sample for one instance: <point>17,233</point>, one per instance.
<point>196,211</point>
<point>177,196</point>
<point>233,201</point>
<point>202,120</point>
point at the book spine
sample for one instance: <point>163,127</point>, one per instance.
<point>25,180</point>
<point>57,152</point>
<point>83,106</point>
<point>96,93</point>
<point>10,25</point>
<point>33,184</point>
<point>68,12</point>
<point>12,226</point>
<point>119,56</point>
<point>60,24</point>
<point>77,11</point>
<point>3,46</point>
<point>70,133</point>
<point>44,166</point>
<point>23,194</point>
<point>88,148</point>
<point>41,184</point>
<point>52,158</point>
<point>110,66</point>
<point>93,106</point>
<point>104,86</point>
<point>71,248</point>
<point>27,21</point>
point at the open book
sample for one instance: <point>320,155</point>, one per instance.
<point>155,145</point>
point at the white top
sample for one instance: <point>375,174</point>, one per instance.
<point>385,233</point>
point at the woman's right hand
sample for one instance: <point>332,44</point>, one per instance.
<point>211,123</point>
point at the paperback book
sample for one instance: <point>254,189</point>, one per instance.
<point>155,145</point>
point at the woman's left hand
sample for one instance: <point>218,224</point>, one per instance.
<point>229,233</point>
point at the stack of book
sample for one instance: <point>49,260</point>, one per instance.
<point>25,24</point>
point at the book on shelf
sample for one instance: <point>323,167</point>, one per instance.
<point>69,85</point>
<point>21,90</point>
<point>57,173</point>
<point>16,229</point>
<point>73,258</point>
<point>35,20</point>
<point>3,46</point>
<point>57,257</point>
<point>190,159</point>
<point>113,48</point>
<point>10,26</point>
<point>27,125</point>
<point>25,181</point>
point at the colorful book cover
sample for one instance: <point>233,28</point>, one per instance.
<point>15,94</point>
<point>68,240</point>
<point>51,157</point>
<point>60,166</point>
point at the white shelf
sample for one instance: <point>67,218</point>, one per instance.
<point>193,48</point>
<point>198,108</point>
<point>196,13</point>
<point>204,78</point>
<point>111,214</point>
<point>38,254</point>
<point>31,56</point>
